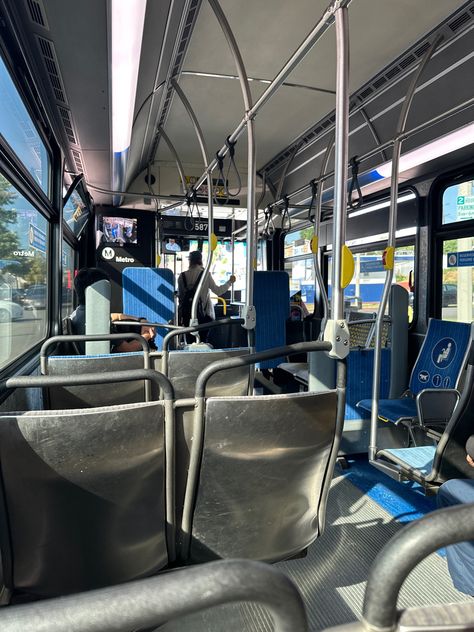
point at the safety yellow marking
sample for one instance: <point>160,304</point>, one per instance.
<point>388,258</point>
<point>255,264</point>
<point>213,242</point>
<point>314,244</point>
<point>347,266</point>
<point>158,260</point>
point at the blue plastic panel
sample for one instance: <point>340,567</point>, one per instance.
<point>441,357</point>
<point>272,305</point>
<point>360,367</point>
<point>149,292</point>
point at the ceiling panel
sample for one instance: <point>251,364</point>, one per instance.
<point>285,116</point>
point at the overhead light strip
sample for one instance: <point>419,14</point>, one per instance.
<point>128,17</point>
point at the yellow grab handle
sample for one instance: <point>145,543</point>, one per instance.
<point>347,266</point>
<point>314,244</point>
<point>158,260</point>
<point>213,242</point>
<point>224,304</point>
<point>388,258</point>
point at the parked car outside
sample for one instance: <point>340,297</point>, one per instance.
<point>10,311</point>
<point>35,296</point>
<point>450,294</point>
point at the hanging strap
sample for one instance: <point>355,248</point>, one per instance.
<point>231,147</point>
<point>269,228</point>
<point>314,192</point>
<point>354,185</point>
<point>285,216</point>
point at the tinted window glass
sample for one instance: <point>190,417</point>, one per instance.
<point>23,274</point>
<point>18,129</point>
<point>67,296</point>
<point>458,202</point>
<point>457,290</point>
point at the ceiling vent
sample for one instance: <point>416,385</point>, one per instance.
<point>78,160</point>
<point>67,122</point>
<point>460,21</point>
<point>52,68</point>
<point>37,13</point>
<point>187,26</point>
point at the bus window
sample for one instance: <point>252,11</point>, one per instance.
<point>17,127</point>
<point>458,202</point>
<point>23,274</point>
<point>364,292</point>
<point>301,273</point>
<point>457,290</point>
<point>300,268</point>
<point>67,294</point>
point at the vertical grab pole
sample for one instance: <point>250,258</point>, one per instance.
<point>212,240</point>
<point>321,368</point>
<point>248,313</point>
<point>389,252</point>
<point>232,245</point>
<point>336,331</point>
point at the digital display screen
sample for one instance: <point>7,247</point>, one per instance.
<point>173,245</point>
<point>119,230</point>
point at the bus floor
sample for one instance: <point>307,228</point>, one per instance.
<point>365,509</point>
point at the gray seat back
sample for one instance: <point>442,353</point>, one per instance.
<point>264,464</point>
<point>83,493</point>
<point>185,366</point>
<point>61,397</point>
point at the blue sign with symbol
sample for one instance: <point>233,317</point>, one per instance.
<point>437,379</point>
<point>463,259</point>
<point>443,353</point>
<point>423,376</point>
<point>37,238</point>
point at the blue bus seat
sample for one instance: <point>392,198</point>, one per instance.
<point>149,293</point>
<point>433,465</point>
<point>272,306</point>
<point>439,365</point>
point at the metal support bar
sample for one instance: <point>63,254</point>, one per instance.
<point>373,131</point>
<point>179,164</point>
<point>210,201</point>
<point>247,122</point>
<point>316,34</point>
<point>393,212</point>
<point>340,159</point>
<point>389,143</point>
<point>148,603</point>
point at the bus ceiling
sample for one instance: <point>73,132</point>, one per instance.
<point>110,92</point>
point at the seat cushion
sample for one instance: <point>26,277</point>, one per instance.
<point>419,458</point>
<point>392,410</point>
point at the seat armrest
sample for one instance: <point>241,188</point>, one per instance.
<point>435,406</point>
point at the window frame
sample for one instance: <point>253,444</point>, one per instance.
<point>49,206</point>
<point>442,232</point>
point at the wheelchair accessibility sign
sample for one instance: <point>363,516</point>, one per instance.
<point>443,353</point>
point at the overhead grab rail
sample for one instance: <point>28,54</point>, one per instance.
<point>388,257</point>
<point>465,105</point>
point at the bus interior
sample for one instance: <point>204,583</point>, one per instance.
<point>278,463</point>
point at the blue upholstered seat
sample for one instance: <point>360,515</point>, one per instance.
<point>438,366</point>
<point>392,409</point>
<point>418,458</point>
